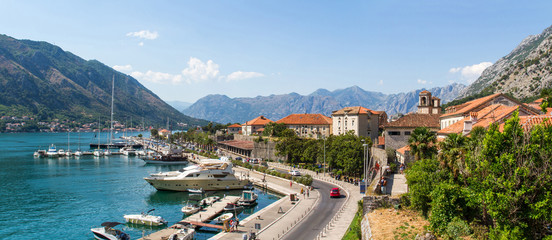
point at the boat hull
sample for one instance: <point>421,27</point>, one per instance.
<point>183,185</point>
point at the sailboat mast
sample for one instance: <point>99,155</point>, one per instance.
<point>112,92</point>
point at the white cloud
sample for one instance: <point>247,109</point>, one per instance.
<point>239,75</point>
<point>198,71</point>
<point>144,34</point>
<point>141,44</point>
<point>470,73</point>
<point>420,81</point>
<point>157,77</point>
<point>380,82</point>
<point>123,68</point>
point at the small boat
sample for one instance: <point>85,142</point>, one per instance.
<point>231,207</point>
<point>195,190</point>
<point>190,209</point>
<point>128,151</point>
<point>61,152</point>
<point>224,217</point>
<point>186,233</point>
<point>52,152</point>
<point>145,219</point>
<point>107,152</point>
<point>107,232</point>
<point>40,153</point>
<point>248,198</point>
<point>98,153</point>
<point>208,201</point>
<point>78,153</point>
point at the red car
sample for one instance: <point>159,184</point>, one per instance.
<point>335,193</point>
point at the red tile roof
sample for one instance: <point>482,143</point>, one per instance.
<point>381,140</point>
<point>469,106</point>
<point>306,119</point>
<point>356,110</point>
<point>415,120</point>
<point>258,121</point>
<point>528,122</point>
<point>403,150</point>
<point>247,145</point>
<point>235,126</point>
<point>485,117</point>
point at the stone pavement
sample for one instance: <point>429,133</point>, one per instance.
<point>397,185</point>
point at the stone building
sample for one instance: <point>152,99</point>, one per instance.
<point>308,125</point>
<point>362,121</point>
<point>255,126</point>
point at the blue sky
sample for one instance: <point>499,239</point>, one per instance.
<point>185,50</point>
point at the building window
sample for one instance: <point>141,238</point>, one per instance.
<point>407,133</point>
<point>353,122</point>
<point>394,133</point>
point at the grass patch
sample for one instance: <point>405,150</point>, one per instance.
<point>354,232</point>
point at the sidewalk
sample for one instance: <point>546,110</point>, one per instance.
<point>339,224</point>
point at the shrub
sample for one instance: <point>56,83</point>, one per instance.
<point>457,228</point>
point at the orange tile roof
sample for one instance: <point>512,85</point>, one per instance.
<point>414,120</point>
<point>258,121</point>
<point>425,91</point>
<point>306,119</point>
<point>381,140</point>
<point>485,117</point>
<point>235,126</point>
<point>468,106</point>
<point>528,122</point>
<point>403,150</point>
<point>356,110</point>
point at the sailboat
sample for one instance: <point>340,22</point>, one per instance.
<point>68,153</point>
<point>98,152</point>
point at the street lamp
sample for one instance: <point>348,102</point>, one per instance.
<point>364,145</point>
<point>324,137</point>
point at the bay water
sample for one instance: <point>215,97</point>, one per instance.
<point>62,198</point>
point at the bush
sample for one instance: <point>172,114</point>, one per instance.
<point>457,228</point>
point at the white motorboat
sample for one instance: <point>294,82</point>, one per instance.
<point>224,217</point>
<point>108,232</point>
<point>78,153</point>
<point>145,219</point>
<point>128,151</point>
<point>69,153</point>
<point>248,198</point>
<point>40,153</point>
<point>107,152</point>
<point>208,201</point>
<point>186,233</point>
<point>61,153</point>
<point>210,175</point>
<point>190,209</point>
<point>98,153</point>
<point>231,207</point>
<point>52,152</point>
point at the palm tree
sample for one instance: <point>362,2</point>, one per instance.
<point>422,143</point>
<point>452,153</point>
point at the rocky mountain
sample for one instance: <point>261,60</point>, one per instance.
<point>41,80</point>
<point>179,105</point>
<point>524,72</point>
<point>222,109</point>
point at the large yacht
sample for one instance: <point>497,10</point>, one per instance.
<point>210,175</point>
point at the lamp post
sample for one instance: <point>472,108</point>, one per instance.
<point>364,145</point>
<point>324,155</point>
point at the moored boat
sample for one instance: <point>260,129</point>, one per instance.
<point>145,219</point>
<point>208,201</point>
<point>195,190</point>
<point>52,152</point>
<point>186,233</point>
<point>210,175</point>
<point>231,207</point>
<point>190,209</point>
<point>40,153</point>
<point>108,232</point>
<point>248,198</point>
<point>224,217</point>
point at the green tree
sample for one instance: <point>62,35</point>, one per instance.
<point>154,133</point>
<point>546,94</point>
<point>422,143</point>
<point>273,129</point>
<point>451,156</point>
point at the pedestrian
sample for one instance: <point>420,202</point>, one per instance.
<point>290,184</point>
<point>237,223</point>
<point>402,168</point>
<point>308,192</point>
<point>383,183</point>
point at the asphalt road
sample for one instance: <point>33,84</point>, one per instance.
<point>320,216</point>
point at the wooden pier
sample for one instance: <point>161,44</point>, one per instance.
<point>198,219</point>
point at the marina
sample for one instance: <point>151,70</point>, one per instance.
<point>86,191</point>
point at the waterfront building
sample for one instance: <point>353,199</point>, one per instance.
<point>362,121</point>
<point>234,129</point>
<point>308,125</point>
<point>255,126</point>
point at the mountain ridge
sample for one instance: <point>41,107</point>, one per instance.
<point>222,109</point>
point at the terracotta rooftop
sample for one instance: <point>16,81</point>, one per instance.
<point>414,120</point>
<point>381,140</point>
<point>425,91</point>
<point>528,122</point>
<point>485,117</point>
<point>258,121</point>
<point>355,110</point>
<point>246,145</point>
<point>468,106</point>
<point>306,119</point>
<point>403,150</point>
<point>235,126</point>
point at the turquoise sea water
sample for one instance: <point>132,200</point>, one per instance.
<point>62,198</point>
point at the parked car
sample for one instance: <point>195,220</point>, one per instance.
<point>294,173</point>
<point>335,193</point>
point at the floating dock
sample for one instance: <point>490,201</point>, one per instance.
<point>197,219</point>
